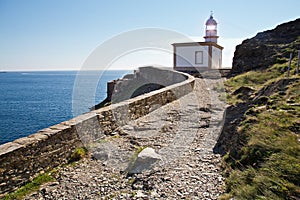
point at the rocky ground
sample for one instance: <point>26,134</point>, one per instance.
<point>183,133</point>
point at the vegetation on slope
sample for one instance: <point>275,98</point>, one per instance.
<point>264,161</point>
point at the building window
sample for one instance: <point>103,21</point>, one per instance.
<point>199,57</point>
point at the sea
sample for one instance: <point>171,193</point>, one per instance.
<point>33,100</point>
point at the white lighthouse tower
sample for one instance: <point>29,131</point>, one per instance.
<point>199,56</point>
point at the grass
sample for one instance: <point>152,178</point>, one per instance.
<point>267,165</point>
<point>258,79</point>
<point>253,79</point>
<point>30,187</point>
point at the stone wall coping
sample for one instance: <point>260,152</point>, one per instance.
<point>9,147</point>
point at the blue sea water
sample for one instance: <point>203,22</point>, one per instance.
<point>30,101</point>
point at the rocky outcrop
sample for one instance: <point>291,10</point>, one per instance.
<point>267,48</point>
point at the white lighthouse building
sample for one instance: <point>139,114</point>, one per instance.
<point>199,56</point>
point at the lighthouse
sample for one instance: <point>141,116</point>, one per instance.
<point>211,30</point>
<point>199,56</point>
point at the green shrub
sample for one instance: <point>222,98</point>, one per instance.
<point>78,154</point>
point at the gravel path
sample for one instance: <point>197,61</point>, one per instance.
<point>183,132</point>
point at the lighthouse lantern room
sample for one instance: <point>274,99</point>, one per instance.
<point>211,30</point>
<point>195,56</point>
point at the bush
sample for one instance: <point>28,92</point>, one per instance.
<point>78,154</point>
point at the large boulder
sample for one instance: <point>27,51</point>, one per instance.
<point>144,161</point>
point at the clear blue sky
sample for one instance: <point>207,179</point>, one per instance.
<point>60,34</point>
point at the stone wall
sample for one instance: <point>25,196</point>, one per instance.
<point>23,158</point>
<point>26,157</point>
<point>144,80</point>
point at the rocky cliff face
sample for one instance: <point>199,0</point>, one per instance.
<point>267,48</point>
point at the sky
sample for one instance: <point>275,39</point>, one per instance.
<point>61,34</point>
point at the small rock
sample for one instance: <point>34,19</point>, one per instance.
<point>154,193</point>
<point>113,133</point>
<point>206,194</point>
<point>140,194</point>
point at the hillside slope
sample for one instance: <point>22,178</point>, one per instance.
<point>260,140</point>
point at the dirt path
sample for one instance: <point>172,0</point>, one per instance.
<point>183,132</point>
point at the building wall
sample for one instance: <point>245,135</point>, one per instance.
<point>216,58</point>
<point>185,56</point>
<point>25,158</point>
